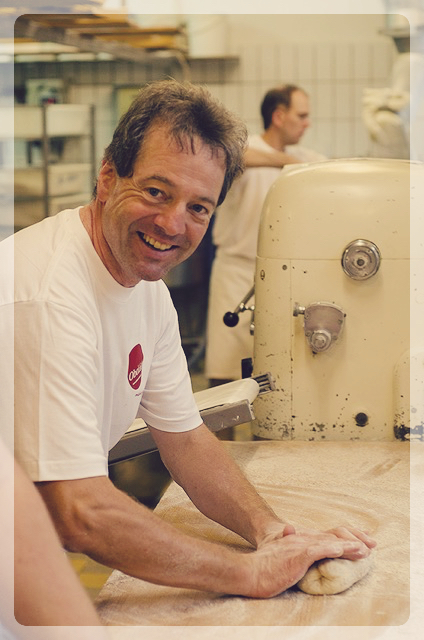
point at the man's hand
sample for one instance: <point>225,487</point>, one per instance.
<point>280,563</point>
<point>279,530</point>
<point>352,534</point>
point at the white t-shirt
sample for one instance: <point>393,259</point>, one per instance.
<point>90,354</point>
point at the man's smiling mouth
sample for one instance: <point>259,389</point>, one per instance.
<point>154,244</point>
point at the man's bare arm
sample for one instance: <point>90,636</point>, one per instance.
<point>94,517</point>
<point>200,463</point>
<point>271,158</point>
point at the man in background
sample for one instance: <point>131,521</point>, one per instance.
<point>285,115</point>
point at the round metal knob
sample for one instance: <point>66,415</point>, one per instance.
<point>320,340</point>
<point>361,259</point>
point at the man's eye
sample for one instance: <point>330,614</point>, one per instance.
<point>153,191</point>
<point>200,210</point>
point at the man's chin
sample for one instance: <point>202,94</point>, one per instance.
<point>152,275</point>
<point>152,270</point>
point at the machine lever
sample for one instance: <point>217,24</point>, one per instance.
<point>231,318</point>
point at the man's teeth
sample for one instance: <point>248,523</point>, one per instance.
<point>154,243</point>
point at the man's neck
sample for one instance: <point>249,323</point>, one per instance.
<point>273,138</point>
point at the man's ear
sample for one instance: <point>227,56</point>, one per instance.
<point>279,116</point>
<point>106,180</point>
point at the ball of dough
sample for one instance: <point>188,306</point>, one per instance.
<point>330,576</point>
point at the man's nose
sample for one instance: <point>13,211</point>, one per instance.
<point>173,219</point>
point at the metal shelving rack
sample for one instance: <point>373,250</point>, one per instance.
<point>38,195</point>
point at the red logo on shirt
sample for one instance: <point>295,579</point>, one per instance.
<point>135,363</point>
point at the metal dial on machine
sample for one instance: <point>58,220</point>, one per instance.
<point>361,259</point>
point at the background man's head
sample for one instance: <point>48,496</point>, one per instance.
<point>286,110</point>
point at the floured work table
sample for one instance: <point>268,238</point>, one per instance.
<point>311,484</point>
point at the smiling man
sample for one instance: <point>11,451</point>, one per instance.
<point>97,343</point>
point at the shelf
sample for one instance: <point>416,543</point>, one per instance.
<point>64,179</point>
<point>44,187</point>
<point>61,120</point>
<point>100,33</point>
<point>401,37</point>
<point>100,37</point>
<point>33,210</point>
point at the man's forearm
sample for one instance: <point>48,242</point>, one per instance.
<point>201,464</point>
<point>95,518</point>
<point>273,158</point>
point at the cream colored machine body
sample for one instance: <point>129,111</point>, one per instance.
<point>332,302</point>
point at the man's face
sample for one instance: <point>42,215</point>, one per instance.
<point>156,218</point>
<point>295,120</point>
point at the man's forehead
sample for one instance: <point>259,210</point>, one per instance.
<point>300,100</point>
<point>179,141</point>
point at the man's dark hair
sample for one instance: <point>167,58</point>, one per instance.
<point>274,98</point>
<point>188,111</point>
